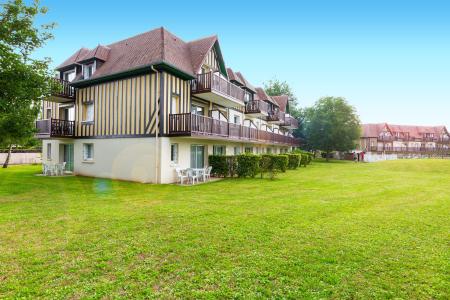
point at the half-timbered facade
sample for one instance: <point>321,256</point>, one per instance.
<point>137,108</point>
<point>404,141</point>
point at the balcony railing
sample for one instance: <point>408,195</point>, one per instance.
<point>62,88</point>
<point>410,149</point>
<point>55,128</point>
<point>257,107</point>
<point>289,121</point>
<point>412,139</point>
<point>190,124</point>
<point>276,116</point>
<point>212,82</point>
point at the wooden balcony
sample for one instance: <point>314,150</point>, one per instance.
<point>412,150</point>
<point>257,108</point>
<point>62,91</point>
<point>275,117</point>
<point>211,86</point>
<point>206,127</point>
<point>55,128</point>
<point>289,122</point>
<point>437,140</point>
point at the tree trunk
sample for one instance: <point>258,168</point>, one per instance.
<point>5,164</point>
<point>327,156</point>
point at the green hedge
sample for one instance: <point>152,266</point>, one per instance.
<point>272,164</point>
<point>219,165</point>
<point>232,165</point>
<point>294,160</point>
<point>247,165</point>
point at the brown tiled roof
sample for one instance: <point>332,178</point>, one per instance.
<point>261,95</point>
<point>99,52</point>
<point>74,58</point>
<point>198,50</point>
<point>233,76</point>
<point>282,101</point>
<point>246,83</point>
<point>374,130</point>
<point>155,46</point>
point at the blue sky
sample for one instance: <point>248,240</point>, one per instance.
<point>390,59</point>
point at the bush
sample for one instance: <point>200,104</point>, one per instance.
<point>232,165</point>
<point>247,165</point>
<point>294,160</point>
<point>304,160</point>
<point>219,165</point>
<point>271,163</point>
<point>280,162</point>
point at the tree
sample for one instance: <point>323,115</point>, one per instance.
<point>275,87</point>
<point>332,125</point>
<point>24,81</point>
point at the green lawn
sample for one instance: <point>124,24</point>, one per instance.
<point>332,230</point>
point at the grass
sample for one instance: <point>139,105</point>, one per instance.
<point>333,230</point>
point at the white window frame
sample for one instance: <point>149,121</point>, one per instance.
<point>49,151</point>
<point>87,158</point>
<point>216,147</point>
<point>174,153</point>
<point>89,112</point>
<point>86,68</point>
<point>69,77</point>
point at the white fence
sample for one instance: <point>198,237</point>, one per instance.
<point>22,158</point>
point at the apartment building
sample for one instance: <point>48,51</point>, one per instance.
<point>138,108</point>
<point>396,141</point>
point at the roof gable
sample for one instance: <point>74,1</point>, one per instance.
<point>283,102</point>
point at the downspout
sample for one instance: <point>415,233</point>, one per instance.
<point>157,126</point>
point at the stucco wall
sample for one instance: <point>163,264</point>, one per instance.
<point>21,158</point>
<point>119,158</point>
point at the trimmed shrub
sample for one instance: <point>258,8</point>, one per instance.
<point>304,160</point>
<point>294,160</point>
<point>280,162</point>
<point>232,165</point>
<point>272,164</point>
<point>247,165</point>
<point>219,165</point>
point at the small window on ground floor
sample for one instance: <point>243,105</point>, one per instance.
<point>49,151</point>
<point>88,152</point>
<point>174,153</point>
<point>219,150</point>
<point>237,150</point>
<point>269,151</point>
<point>248,149</point>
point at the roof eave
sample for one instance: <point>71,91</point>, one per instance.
<point>162,65</point>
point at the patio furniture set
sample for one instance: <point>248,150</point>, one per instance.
<point>191,175</point>
<point>53,169</point>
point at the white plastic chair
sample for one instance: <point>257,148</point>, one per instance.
<point>192,175</point>
<point>181,175</point>
<point>207,173</point>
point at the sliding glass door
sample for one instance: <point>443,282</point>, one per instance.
<point>197,156</point>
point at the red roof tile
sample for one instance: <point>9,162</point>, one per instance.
<point>261,95</point>
<point>246,83</point>
<point>233,76</point>
<point>283,101</point>
<point>155,46</point>
<point>374,130</point>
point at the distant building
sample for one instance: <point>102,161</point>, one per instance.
<point>387,141</point>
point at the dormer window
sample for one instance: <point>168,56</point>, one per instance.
<point>88,70</point>
<point>69,75</point>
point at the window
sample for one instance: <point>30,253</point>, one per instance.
<point>269,150</point>
<point>88,71</point>
<point>219,150</point>
<point>88,152</point>
<point>248,149</point>
<point>197,110</point>
<point>175,105</point>
<point>237,150</point>
<point>197,156</point>
<point>69,75</point>
<point>174,153</point>
<point>237,120</point>
<point>48,113</point>
<point>49,151</point>
<point>88,112</point>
